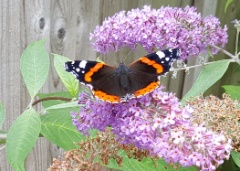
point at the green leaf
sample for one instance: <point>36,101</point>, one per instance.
<point>99,60</point>
<point>232,164</point>
<point>236,69</point>
<point>209,75</point>
<point>49,103</point>
<point>68,79</point>
<point>2,115</point>
<point>21,138</point>
<point>34,65</point>
<point>188,169</point>
<point>130,164</point>
<point>227,4</point>
<point>236,157</point>
<point>63,105</point>
<point>57,127</point>
<point>209,52</point>
<point>233,91</point>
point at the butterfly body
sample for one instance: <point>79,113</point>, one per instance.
<point>117,84</point>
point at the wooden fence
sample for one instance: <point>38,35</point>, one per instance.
<point>66,26</point>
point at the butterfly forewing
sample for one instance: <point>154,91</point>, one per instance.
<point>146,70</point>
<point>80,69</point>
<point>103,78</point>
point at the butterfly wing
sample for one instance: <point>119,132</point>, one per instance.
<point>100,76</point>
<point>111,84</point>
<point>146,70</point>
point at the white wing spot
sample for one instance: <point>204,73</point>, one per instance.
<point>83,72</point>
<point>170,50</point>
<point>72,62</point>
<point>160,54</point>
<point>167,58</point>
<point>83,64</point>
<point>78,69</point>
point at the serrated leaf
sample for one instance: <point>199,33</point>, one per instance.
<point>68,79</point>
<point>64,105</point>
<point>34,65</point>
<point>57,127</point>
<point>2,115</point>
<point>49,103</point>
<point>233,91</point>
<point>21,138</point>
<point>209,75</point>
<point>236,157</point>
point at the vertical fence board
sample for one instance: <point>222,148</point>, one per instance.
<point>206,8</point>
<point>63,34</point>
<point>174,85</point>
<point>231,77</point>
<point>86,11</point>
<point>66,26</point>
<point>35,17</point>
<point>36,23</point>
<point>10,48</point>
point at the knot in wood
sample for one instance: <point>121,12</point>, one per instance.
<point>61,33</point>
<point>41,23</point>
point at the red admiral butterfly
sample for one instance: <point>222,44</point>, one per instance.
<point>116,84</point>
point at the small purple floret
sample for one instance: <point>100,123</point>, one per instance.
<point>157,123</point>
<point>163,28</point>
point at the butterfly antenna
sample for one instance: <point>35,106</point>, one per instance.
<point>126,56</point>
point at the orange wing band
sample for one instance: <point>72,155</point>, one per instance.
<point>106,97</point>
<point>89,74</point>
<point>152,86</point>
<point>157,66</point>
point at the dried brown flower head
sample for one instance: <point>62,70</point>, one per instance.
<point>221,115</point>
<point>105,147</point>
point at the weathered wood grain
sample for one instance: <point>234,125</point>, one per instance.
<point>87,11</point>
<point>66,26</point>
<point>36,23</point>
<point>10,52</point>
<point>206,8</point>
<point>231,77</point>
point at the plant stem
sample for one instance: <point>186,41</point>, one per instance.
<point>224,51</point>
<point>51,98</point>
<point>194,66</point>
<point>236,44</point>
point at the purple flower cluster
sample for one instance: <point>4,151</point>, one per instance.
<point>157,123</point>
<point>163,28</point>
